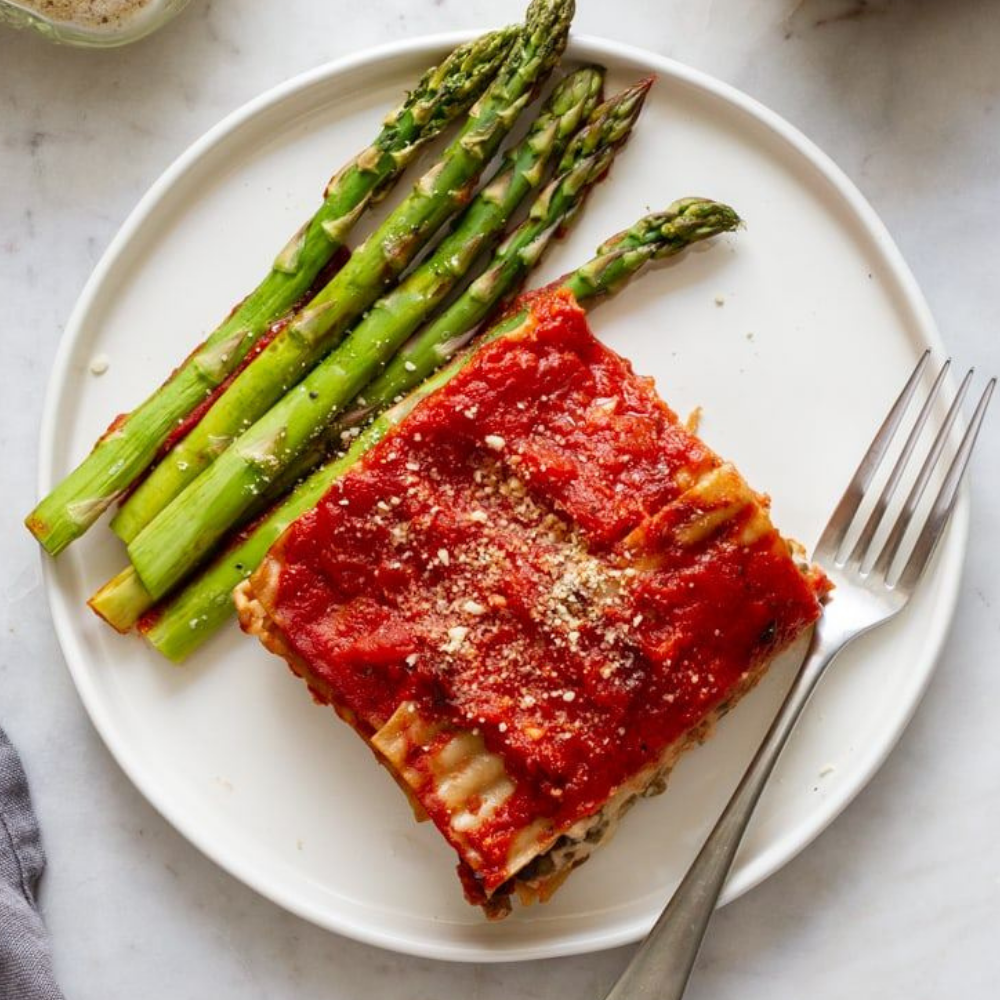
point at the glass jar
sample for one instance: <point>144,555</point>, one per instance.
<point>93,23</point>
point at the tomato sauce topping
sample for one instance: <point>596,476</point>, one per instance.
<point>529,557</point>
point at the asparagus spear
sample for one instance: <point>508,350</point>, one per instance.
<point>371,270</point>
<point>609,128</point>
<point>583,160</point>
<point>177,540</point>
<point>522,250</point>
<point>444,93</point>
<point>397,314</point>
<point>439,340</point>
<point>181,625</point>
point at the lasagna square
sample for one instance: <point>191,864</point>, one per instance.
<point>530,598</point>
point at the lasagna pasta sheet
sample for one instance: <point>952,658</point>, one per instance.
<point>530,598</point>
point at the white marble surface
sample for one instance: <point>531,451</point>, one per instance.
<point>901,897</point>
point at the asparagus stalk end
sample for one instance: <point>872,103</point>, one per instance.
<point>117,460</point>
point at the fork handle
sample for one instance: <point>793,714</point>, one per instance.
<point>661,967</point>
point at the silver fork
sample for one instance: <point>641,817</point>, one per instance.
<point>874,580</point>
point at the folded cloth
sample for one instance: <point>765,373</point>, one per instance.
<point>25,958</point>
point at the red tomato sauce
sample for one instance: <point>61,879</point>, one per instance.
<point>484,562</point>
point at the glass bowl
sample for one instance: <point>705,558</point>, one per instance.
<point>123,21</point>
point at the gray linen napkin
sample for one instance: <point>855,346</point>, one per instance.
<point>25,959</point>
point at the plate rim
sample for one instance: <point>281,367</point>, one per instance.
<point>785,847</point>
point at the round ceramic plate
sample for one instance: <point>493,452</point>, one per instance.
<point>793,335</point>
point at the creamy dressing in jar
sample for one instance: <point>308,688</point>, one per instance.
<point>90,22</point>
<point>105,14</point>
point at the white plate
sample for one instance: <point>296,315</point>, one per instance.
<point>821,322</point>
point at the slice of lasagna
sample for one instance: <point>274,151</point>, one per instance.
<point>530,599</point>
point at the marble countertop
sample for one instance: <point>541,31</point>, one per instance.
<point>901,896</point>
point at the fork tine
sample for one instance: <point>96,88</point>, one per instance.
<point>836,528</point>
<point>888,491</point>
<point>944,504</point>
<point>891,547</point>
